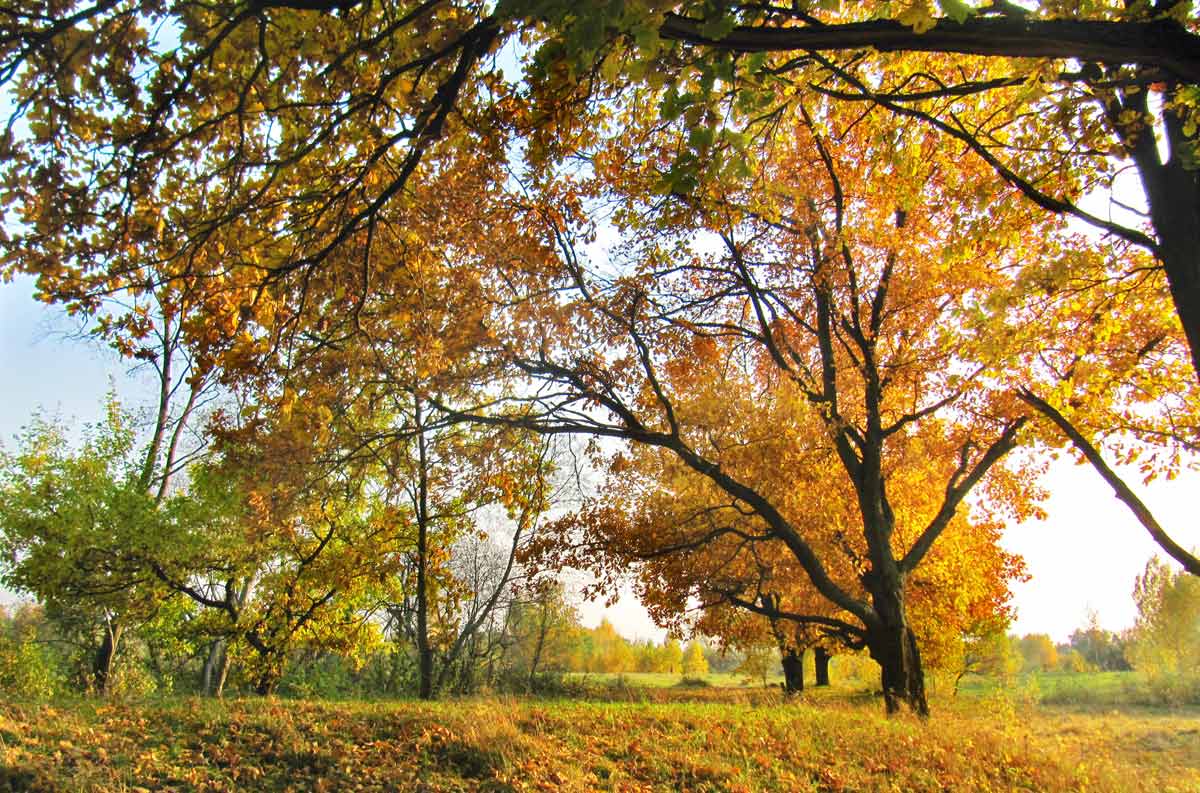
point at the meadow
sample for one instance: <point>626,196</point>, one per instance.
<point>622,735</point>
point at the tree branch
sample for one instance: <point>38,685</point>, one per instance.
<point>1120,489</point>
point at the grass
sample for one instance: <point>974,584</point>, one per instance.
<point>832,743</point>
<point>1080,689</point>
<point>666,680</point>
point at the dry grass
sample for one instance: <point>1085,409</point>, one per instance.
<point>509,745</point>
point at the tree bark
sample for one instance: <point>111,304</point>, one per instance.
<point>1162,43</point>
<point>894,648</point>
<point>821,658</point>
<point>1172,188</point>
<point>793,671</point>
<point>537,652</point>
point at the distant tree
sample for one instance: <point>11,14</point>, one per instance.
<point>1071,660</point>
<point>759,661</point>
<point>988,652</point>
<point>671,657</point>
<point>1038,653</point>
<point>544,624</point>
<point>694,662</point>
<point>1102,649</point>
<point>721,659</point>
<point>610,651</point>
<point>1166,638</point>
<point>29,666</point>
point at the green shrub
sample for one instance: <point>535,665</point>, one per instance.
<point>27,670</point>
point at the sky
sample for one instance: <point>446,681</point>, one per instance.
<point>1083,558</point>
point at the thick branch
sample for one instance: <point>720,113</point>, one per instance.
<point>1163,43</point>
<point>1122,490</point>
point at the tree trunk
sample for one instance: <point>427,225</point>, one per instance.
<point>793,671</point>
<point>102,663</point>
<point>222,673</point>
<point>208,674</point>
<point>821,658</point>
<point>216,669</point>
<point>424,650</point>
<point>270,671</point>
<point>267,680</point>
<point>1173,192</point>
<point>894,647</point>
<point>537,654</point>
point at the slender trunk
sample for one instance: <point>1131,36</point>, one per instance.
<point>424,649</point>
<point>222,673</point>
<point>537,656</point>
<point>102,663</point>
<point>793,671</point>
<point>164,406</point>
<point>209,670</point>
<point>821,658</point>
<point>215,667</point>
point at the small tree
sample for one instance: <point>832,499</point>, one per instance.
<point>67,518</point>
<point>1038,653</point>
<point>694,663</point>
<point>1102,649</point>
<point>760,660</point>
<point>1165,641</point>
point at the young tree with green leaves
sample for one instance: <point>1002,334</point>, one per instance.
<point>69,518</point>
<point>1165,641</point>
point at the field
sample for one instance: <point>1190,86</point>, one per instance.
<point>701,739</point>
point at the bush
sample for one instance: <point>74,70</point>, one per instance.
<point>1167,689</point>
<point>27,670</point>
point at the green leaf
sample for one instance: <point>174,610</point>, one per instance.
<point>956,10</point>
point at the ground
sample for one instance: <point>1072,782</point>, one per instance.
<point>701,739</point>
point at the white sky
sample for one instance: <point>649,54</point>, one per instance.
<point>1084,557</point>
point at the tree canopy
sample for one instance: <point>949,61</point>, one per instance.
<point>819,266</point>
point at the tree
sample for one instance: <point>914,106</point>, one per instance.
<point>148,326</point>
<point>278,548</point>
<point>450,497</point>
<point>28,665</point>
<point>671,660</point>
<point>67,516</point>
<point>987,651</point>
<point>1165,641</point>
<point>197,131</point>
<point>818,307</point>
<point>281,183</point>
<point>544,625</point>
<point>1038,653</point>
<point>759,662</point>
<point>1101,649</point>
<point>694,663</point>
